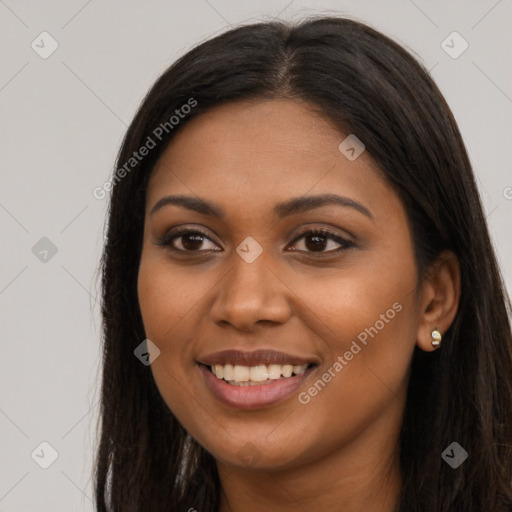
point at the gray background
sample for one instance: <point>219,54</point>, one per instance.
<point>62,120</point>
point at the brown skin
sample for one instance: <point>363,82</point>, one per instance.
<point>340,449</point>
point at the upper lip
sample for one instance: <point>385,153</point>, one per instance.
<point>254,358</point>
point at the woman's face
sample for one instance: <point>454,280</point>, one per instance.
<point>339,310</point>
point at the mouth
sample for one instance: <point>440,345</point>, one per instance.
<point>254,380</point>
<point>239,375</point>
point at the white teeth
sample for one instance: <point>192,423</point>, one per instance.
<point>219,371</point>
<point>240,373</point>
<point>298,370</point>
<point>274,371</point>
<point>229,373</point>
<point>287,370</point>
<point>258,373</point>
<point>249,375</point>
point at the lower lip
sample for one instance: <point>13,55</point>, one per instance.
<point>253,397</point>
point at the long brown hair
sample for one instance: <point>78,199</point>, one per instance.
<point>360,79</point>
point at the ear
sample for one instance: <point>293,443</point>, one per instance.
<point>439,299</point>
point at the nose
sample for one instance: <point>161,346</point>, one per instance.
<point>251,294</point>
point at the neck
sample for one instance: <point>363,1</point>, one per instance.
<point>363,475</point>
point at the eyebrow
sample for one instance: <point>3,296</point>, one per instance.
<point>284,209</point>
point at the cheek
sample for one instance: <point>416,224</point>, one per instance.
<point>169,301</point>
<point>371,300</point>
<point>170,296</point>
<point>368,320</point>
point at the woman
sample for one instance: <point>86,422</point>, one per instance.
<point>302,308</point>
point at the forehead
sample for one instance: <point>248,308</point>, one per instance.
<point>252,153</point>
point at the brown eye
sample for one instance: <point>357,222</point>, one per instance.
<point>191,240</point>
<point>315,241</point>
<point>318,240</point>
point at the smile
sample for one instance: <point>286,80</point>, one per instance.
<point>256,379</point>
<point>258,386</point>
<point>238,375</point>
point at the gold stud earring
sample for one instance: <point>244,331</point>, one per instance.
<point>436,338</point>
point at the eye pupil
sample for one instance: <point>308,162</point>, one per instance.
<point>192,241</point>
<point>196,239</point>
<point>318,244</point>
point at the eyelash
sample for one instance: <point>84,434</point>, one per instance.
<point>166,240</point>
